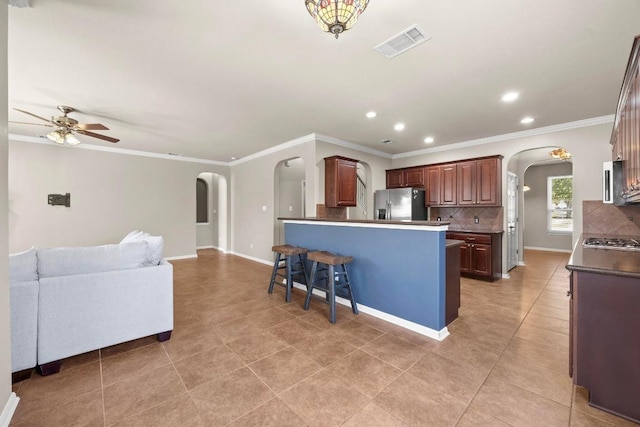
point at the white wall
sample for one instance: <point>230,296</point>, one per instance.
<point>111,194</point>
<point>533,219</point>
<point>5,341</point>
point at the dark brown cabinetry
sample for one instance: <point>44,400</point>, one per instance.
<point>480,255</point>
<point>452,298</point>
<point>448,185</point>
<point>604,340</point>
<point>432,184</point>
<point>340,181</point>
<point>408,177</point>
<point>479,182</point>
<point>626,129</point>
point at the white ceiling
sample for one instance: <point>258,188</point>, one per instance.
<point>216,79</point>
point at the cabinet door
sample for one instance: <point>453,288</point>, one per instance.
<point>488,189</point>
<point>340,181</point>
<point>432,182</point>
<point>394,179</point>
<point>481,259</point>
<point>467,183</point>
<point>465,258</point>
<point>413,177</point>
<point>347,183</point>
<point>448,184</point>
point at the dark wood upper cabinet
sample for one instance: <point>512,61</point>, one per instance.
<point>625,138</point>
<point>432,184</point>
<point>448,185</point>
<point>479,182</point>
<point>407,177</point>
<point>340,181</point>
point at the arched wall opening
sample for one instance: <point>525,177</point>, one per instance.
<point>213,233</point>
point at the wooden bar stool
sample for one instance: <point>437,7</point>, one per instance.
<point>288,258</point>
<point>332,270</point>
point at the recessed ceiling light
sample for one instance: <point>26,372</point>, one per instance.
<point>527,120</point>
<point>399,126</point>
<point>510,96</point>
<point>428,140</point>
<point>371,114</point>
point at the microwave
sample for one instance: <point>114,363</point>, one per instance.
<point>612,183</point>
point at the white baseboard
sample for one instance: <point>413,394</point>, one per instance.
<point>535,248</point>
<point>262,261</point>
<point>173,258</point>
<point>9,410</point>
<point>205,247</point>
<point>522,263</point>
<point>422,330</point>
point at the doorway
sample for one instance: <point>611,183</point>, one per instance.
<point>512,220</point>
<point>289,194</point>
<point>211,211</point>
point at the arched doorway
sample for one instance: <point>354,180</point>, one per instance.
<point>542,220</point>
<point>289,194</point>
<point>211,211</point>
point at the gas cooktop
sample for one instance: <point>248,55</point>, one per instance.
<point>612,243</point>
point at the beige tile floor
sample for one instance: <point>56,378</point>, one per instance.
<point>241,357</point>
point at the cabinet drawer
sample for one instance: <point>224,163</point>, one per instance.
<point>470,237</point>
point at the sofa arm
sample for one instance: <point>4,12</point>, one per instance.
<point>84,312</point>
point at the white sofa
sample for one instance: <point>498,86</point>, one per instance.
<point>95,297</point>
<point>23,300</point>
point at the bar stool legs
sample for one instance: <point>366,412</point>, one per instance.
<point>290,259</point>
<point>332,270</point>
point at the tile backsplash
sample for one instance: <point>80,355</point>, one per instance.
<point>610,220</point>
<point>489,218</point>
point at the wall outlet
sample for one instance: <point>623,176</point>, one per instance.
<point>251,246</point>
<point>290,208</point>
<point>264,208</point>
<point>476,220</point>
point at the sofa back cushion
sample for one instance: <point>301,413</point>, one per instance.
<point>23,266</point>
<point>156,245</point>
<point>93,259</point>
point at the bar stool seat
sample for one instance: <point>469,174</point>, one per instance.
<point>291,259</point>
<point>329,274</point>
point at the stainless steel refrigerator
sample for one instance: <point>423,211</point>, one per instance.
<point>400,204</point>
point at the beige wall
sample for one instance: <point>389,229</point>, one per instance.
<point>111,194</point>
<point>253,185</point>
<point>5,343</point>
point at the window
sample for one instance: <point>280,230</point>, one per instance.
<point>202,201</point>
<point>560,204</point>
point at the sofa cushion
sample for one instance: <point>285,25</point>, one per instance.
<point>156,245</point>
<point>93,259</point>
<point>23,266</point>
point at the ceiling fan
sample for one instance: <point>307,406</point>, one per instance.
<point>67,127</point>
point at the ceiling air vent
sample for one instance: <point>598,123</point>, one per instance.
<point>407,39</point>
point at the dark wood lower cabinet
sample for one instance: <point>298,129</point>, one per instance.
<point>605,341</point>
<point>480,255</point>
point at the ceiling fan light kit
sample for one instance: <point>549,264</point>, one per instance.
<point>336,16</point>
<point>67,127</point>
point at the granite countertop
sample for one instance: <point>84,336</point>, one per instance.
<point>604,261</point>
<point>368,221</point>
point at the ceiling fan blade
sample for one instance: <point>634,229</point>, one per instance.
<point>90,126</point>
<point>97,135</point>
<point>33,115</point>
<point>32,124</point>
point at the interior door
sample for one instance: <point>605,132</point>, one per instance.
<point>512,220</point>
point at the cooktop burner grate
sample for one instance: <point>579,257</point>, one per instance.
<point>612,243</point>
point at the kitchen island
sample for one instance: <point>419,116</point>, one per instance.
<point>399,269</point>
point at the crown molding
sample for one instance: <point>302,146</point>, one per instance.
<point>85,146</point>
<point>508,136</point>
<point>314,137</point>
